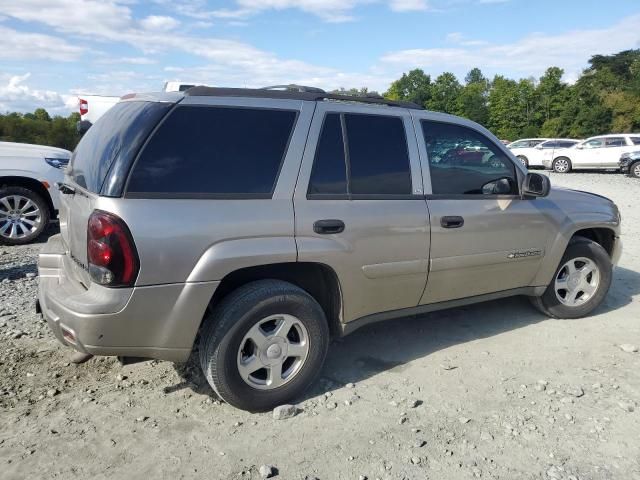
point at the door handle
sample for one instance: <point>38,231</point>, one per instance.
<point>451,222</point>
<point>327,227</point>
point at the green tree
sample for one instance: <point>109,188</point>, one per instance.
<point>414,86</point>
<point>444,94</point>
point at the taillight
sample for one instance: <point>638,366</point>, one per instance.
<point>84,106</point>
<point>111,253</point>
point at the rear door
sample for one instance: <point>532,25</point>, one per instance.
<point>110,144</point>
<point>485,238</point>
<point>613,148</point>
<point>359,206</point>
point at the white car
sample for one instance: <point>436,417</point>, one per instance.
<point>534,156</point>
<point>525,143</point>
<point>29,197</point>
<point>601,152</point>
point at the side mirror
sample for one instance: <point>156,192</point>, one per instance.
<point>536,185</point>
<point>539,146</point>
<point>82,126</point>
<point>579,147</point>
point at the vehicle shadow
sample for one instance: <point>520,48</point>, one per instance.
<point>392,345</point>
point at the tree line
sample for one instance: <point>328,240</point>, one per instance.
<point>605,99</point>
<point>39,128</point>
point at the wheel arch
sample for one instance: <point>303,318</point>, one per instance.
<point>32,184</point>
<point>317,279</point>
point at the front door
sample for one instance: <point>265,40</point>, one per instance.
<point>484,237</point>
<point>589,154</point>
<point>360,209</point>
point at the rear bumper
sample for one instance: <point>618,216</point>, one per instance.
<point>158,321</point>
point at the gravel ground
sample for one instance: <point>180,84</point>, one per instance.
<point>492,391</point>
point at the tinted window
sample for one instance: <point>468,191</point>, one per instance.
<point>378,155</point>
<point>519,144</point>
<point>615,142</point>
<point>566,144</point>
<point>115,137</point>
<point>329,174</point>
<point>549,144</point>
<point>463,161</point>
<point>533,143</point>
<point>635,140</point>
<point>214,150</point>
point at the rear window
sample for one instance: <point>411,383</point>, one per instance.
<point>116,137</point>
<point>208,151</point>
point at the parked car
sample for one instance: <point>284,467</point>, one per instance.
<point>526,143</point>
<point>28,197</point>
<point>630,163</point>
<point>259,224</point>
<point>533,156</point>
<point>601,152</point>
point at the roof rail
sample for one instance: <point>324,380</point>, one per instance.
<point>292,87</point>
<point>313,95</point>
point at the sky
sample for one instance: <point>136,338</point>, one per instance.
<point>53,50</point>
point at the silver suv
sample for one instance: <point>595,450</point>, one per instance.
<point>255,225</point>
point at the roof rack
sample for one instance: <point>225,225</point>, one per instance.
<point>295,92</point>
<point>292,87</point>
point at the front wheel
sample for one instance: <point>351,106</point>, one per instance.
<point>634,170</point>
<point>23,215</point>
<point>580,283</point>
<point>263,345</point>
<point>561,165</point>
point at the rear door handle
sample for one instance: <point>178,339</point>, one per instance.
<point>451,222</point>
<point>327,227</point>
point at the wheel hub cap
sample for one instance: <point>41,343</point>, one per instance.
<point>19,217</point>
<point>577,281</point>
<point>273,351</point>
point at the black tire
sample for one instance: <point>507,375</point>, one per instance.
<point>550,305</point>
<point>524,160</point>
<point>226,326</point>
<point>558,165</point>
<point>45,214</point>
<point>634,170</point>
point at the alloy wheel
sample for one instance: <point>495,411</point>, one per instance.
<point>273,351</point>
<point>636,170</point>
<point>577,281</point>
<point>19,217</point>
<point>561,165</point>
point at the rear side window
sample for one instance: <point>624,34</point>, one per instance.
<point>115,138</point>
<point>376,161</point>
<point>615,142</point>
<point>209,151</point>
<point>635,140</point>
<point>378,155</point>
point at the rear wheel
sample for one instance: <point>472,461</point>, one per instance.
<point>580,283</point>
<point>23,215</point>
<point>264,344</point>
<point>524,160</point>
<point>634,170</point>
<point>562,165</point>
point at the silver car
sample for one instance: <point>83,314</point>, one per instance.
<point>252,226</point>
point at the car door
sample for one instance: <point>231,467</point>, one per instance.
<point>588,154</point>
<point>360,209</point>
<point>614,147</point>
<point>485,237</point>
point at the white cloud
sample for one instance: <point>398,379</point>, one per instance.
<point>128,60</point>
<point>16,95</point>
<point>159,22</point>
<point>408,5</point>
<point>530,55</point>
<point>28,46</point>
